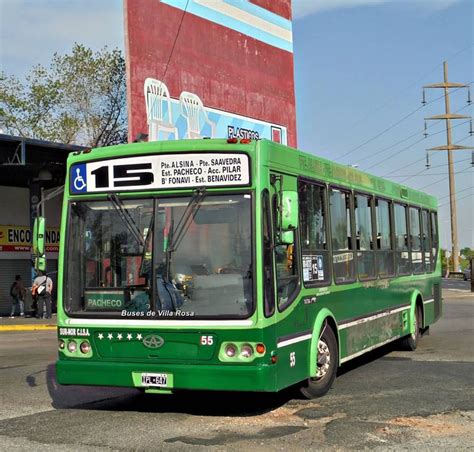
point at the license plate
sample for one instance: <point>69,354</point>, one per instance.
<point>155,380</point>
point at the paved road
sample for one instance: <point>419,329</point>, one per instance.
<point>456,284</point>
<point>390,400</point>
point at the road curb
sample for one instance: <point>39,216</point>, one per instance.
<point>27,327</point>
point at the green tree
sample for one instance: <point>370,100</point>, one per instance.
<point>80,99</point>
<point>466,255</point>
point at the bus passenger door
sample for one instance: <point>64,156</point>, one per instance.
<point>291,322</point>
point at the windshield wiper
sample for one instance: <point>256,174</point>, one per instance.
<point>146,260</point>
<point>127,219</point>
<point>177,234</point>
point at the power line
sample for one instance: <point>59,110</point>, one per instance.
<point>425,169</point>
<point>406,166</point>
<point>423,158</point>
<point>459,199</point>
<point>444,178</point>
<point>351,127</point>
<point>175,40</point>
<point>411,136</point>
<point>411,145</point>
<point>391,127</point>
<point>432,174</point>
<point>431,167</point>
<point>459,191</point>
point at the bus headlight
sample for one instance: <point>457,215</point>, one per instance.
<point>230,350</point>
<point>62,344</point>
<point>72,346</point>
<point>246,351</point>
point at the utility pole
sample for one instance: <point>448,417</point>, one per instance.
<point>448,116</point>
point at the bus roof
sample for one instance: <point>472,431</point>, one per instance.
<point>276,156</point>
<point>312,166</point>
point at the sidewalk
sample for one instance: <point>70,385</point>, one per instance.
<point>457,293</point>
<point>27,324</point>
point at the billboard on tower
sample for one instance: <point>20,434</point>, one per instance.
<point>218,68</point>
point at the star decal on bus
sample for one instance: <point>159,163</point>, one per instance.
<point>129,336</point>
<point>119,336</point>
<point>110,336</point>
<point>100,336</point>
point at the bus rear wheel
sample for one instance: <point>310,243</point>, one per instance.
<point>411,342</point>
<point>326,366</point>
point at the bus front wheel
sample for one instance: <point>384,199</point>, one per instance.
<point>411,342</point>
<point>326,366</point>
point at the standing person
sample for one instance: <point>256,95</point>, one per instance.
<point>42,288</point>
<point>17,292</point>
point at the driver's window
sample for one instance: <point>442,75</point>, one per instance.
<point>287,275</point>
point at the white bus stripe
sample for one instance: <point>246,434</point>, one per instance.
<point>428,301</point>
<point>294,340</point>
<point>182,323</point>
<point>372,317</point>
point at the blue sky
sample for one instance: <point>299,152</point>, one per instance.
<point>359,69</point>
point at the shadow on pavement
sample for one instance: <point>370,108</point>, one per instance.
<point>369,357</point>
<point>203,403</point>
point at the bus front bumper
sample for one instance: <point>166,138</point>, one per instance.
<point>179,376</point>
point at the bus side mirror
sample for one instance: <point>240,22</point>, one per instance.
<point>40,263</point>
<point>287,238</point>
<point>39,236</point>
<point>39,239</point>
<point>289,210</point>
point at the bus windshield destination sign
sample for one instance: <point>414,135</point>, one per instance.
<point>160,172</point>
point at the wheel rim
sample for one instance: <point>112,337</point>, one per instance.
<point>323,360</point>
<point>414,335</point>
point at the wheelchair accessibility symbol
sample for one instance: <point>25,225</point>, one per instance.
<point>78,176</point>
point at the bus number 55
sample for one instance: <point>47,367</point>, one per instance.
<point>207,340</point>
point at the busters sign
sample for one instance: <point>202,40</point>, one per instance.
<point>157,172</point>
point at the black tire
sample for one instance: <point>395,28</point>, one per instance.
<point>320,385</point>
<point>410,342</point>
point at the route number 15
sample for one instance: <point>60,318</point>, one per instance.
<point>124,175</point>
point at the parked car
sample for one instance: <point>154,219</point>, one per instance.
<point>467,274</point>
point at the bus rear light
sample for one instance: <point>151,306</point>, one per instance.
<point>245,141</point>
<point>274,359</point>
<point>232,140</point>
<point>230,350</point>
<point>85,347</point>
<point>72,346</point>
<point>246,351</point>
<point>62,344</point>
<point>260,348</point>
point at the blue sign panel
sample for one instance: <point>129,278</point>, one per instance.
<point>78,178</point>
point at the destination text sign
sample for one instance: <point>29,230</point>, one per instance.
<point>158,172</point>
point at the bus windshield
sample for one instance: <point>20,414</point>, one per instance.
<point>176,257</point>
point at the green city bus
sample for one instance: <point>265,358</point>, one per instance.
<point>235,265</point>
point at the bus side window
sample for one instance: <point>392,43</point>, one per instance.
<point>313,226</point>
<point>426,242</point>
<point>364,237</point>
<point>434,240</point>
<point>385,254</point>
<point>341,236</point>
<point>286,266</point>
<point>268,287</point>
<point>401,240</point>
<point>415,240</point>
